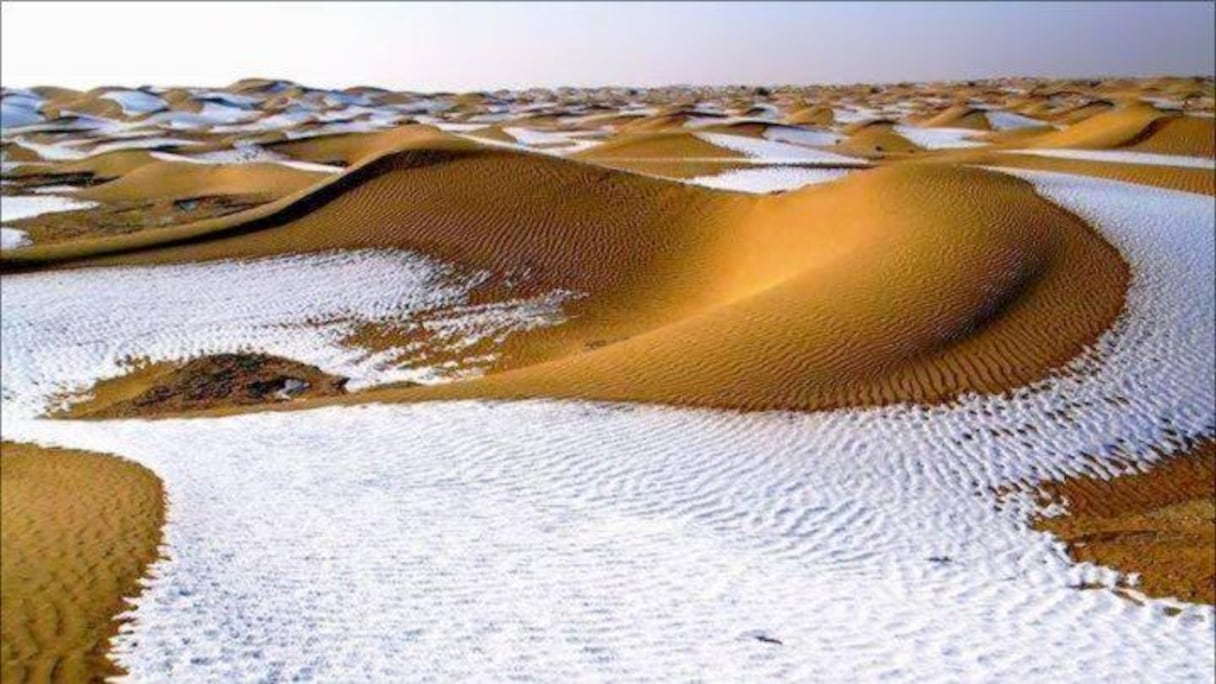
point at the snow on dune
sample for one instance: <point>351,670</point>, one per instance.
<point>802,136</point>
<point>278,120</point>
<point>567,540</point>
<point>365,126</point>
<point>1006,121</point>
<point>940,138</point>
<point>247,154</point>
<point>135,102</point>
<point>768,179</point>
<point>20,109</point>
<point>850,115</point>
<point>210,115</point>
<point>73,150</point>
<point>299,307</point>
<point>552,142</point>
<point>1122,157</point>
<point>17,207</point>
<point>531,136</point>
<point>226,98</point>
<point>771,151</point>
<point>11,238</point>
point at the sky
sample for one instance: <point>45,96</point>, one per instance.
<point>482,46</point>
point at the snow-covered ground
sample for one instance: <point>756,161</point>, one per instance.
<point>11,238</point>
<point>775,152</point>
<point>940,138</point>
<point>247,154</point>
<point>74,150</point>
<point>300,307</point>
<point>1007,121</point>
<point>136,102</point>
<point>768,179</point>
<point>1123,157</point>
<point>17,207</point>
<point>802,136</point>
<point>20,109</point>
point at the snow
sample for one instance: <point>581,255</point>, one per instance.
<point>554,142</point>
<point>17,207</point>
<point>854,114</point>
<point>336,128</point>
<point>11,238</point>
<point>71,150</point>
<point>284,119</point>
<point>19,110</point>
<point>940,138</point>
<point>1123,157</point>
<point>51,151</point>
<point>768,179</point>
<point>135,102</point>
<point>247,154</point>
<point>1005,121</point>
<point>55,189</point>
<point>299,307</point>
<point>777,152</point>
<point>814,137</point>
<point>457,127</point>
<point>226,98</point>
<point>214,113</point>
<point>531,136</point>
<point>209,115</point>
<point>141,143</point>
<point>564,540</point>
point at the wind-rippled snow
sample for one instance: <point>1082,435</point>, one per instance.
<point>300,307</point>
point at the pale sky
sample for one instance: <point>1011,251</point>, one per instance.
<point>467,46</point>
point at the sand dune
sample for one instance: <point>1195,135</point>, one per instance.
<point>80,529</point>
<point>788,322</point>
<point>183,180</point>
<point>1138,127</point>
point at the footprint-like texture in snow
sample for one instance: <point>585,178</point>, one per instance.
<point>562,540</point>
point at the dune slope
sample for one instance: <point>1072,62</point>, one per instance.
<point>79,530</point>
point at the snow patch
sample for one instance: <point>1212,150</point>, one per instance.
<point>11,238</point>
<point>768,179</point>
<point>1122,157</point>
<point>17,207</point>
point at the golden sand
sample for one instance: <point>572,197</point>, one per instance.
<point>184,180</point>
<point>1161,524</point>
<point>78,530</point>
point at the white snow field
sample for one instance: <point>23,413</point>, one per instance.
<point>18,108</point>
<point>774,152</point>
<point>768,179</point>
<point>11,238</point>
<point>17,207</point>
<point>1122,157</point>
<point>136,102</point>
<point>559,541</point>
<point>1006,121</point>
<point>940,138</point>
<point>247,154</point>
<point>802,136</point>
